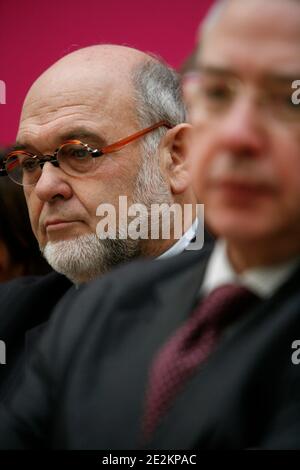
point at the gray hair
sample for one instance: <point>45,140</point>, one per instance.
<point>158,96</point>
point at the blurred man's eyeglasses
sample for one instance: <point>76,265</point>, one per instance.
<point>215,94</point>
<point>73,157</point>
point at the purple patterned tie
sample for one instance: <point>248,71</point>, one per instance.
<point>188,348</point>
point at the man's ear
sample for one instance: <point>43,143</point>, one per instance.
<point>175,157</point>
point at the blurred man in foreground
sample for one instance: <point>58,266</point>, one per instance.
<point>199,352</point>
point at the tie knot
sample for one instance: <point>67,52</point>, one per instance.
<point>224,303</point>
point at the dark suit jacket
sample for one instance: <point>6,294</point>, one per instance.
<point>86,383</point>
<point>25,304</point>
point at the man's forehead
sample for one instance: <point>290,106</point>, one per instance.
<point>48,111</point>
<point>268,15</point>
<point>44,108</point>
<point>71,82</point>
<point>50,95</point>
<point>274,66</point>
<point>256,42</point>
<point>50,122</point>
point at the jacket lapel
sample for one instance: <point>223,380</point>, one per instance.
<point>177,297</point>
<point>199,407</point>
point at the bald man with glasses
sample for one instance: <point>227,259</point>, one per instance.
<point>102,122</point>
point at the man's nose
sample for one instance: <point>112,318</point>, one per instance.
<point>52,184</point>
<point>242,128</point>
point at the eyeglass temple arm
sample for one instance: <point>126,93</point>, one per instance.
<point>121,143</point>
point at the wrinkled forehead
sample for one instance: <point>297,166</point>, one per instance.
<point>73,93</point>
<point>254,36</point>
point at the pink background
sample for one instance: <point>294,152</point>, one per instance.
<point>34,34</point>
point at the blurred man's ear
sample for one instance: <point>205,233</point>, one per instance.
<point>174,157</point>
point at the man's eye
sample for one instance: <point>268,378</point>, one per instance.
<point>79,154</point>
<point>29,164</point>
<point>283,102</point>
<point>74,152</point>
<point>217,93</point>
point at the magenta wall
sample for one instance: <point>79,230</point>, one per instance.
<point>35,33</point>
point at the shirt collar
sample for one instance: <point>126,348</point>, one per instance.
<point>262,281</point>
<point>182,243</point>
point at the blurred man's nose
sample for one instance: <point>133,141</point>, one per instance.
<point>240,129</point>
<point>52,184</point>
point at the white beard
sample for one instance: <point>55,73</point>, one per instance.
<point>77,258</point>
<point>84,258</point>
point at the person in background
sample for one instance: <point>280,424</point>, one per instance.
<point>19,251</point>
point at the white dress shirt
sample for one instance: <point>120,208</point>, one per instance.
<point>262,281</point>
